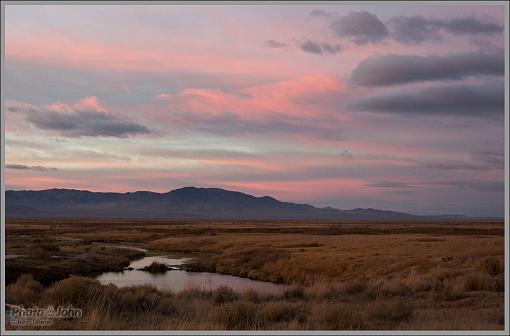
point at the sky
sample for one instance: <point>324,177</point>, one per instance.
<point>395,107</point>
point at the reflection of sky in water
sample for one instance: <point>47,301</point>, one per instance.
<point>177,280</point>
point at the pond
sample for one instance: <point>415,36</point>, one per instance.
<point>178,280</point>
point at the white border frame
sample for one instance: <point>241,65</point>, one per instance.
<point>268,332</point>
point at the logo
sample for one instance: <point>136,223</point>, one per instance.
<point>37,316</point>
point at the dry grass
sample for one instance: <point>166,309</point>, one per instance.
<point>24,292</point>
<point>338,258</point>
<point>358,276</point>
<point>144,307</point>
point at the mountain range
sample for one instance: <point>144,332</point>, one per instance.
<point>183,203</point>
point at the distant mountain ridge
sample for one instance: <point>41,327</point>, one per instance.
<point>183,203</point>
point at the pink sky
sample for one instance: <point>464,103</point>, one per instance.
<point>261,99</point>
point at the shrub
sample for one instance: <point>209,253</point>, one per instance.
<point>492,267</point>
<point>140,298</point>
<point>395,287</point>
<point>237,315</point>
<point>353,287</point>
<point>448,292</point>
<point>480,282</point>
<point>75,290</point>
<point>294,293</point>
<point>50,247</point>
<point>280,311</point>
<point>323,290</point>
<point>386,289</point>
<point>498,283</point>
<point>252,296</point>
<point>156,267</point>
<point>335,317</point>
<point>195,292</point>
<point>224,295</point>
<point>394,311</point>
<point>38,253</point>
<point>25,291</point>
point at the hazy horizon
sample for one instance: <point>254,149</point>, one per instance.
<point>230,190</point>
<point>397,107</point>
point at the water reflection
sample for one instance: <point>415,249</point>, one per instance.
<point>178,280</point>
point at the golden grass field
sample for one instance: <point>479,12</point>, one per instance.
<point>367,276</point>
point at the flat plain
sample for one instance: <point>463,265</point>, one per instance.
<point>341,276</point>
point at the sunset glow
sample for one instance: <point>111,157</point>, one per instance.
<point>284,101</point>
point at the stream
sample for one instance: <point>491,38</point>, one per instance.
<point>178,280</point>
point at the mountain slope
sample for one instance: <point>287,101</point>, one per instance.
<point>184,203</point>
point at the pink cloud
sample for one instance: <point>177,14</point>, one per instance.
<point>164,96</point>
<point>35,182</point>
<point>60,49</point>
<point>90,103</point>
<point>281,97</point>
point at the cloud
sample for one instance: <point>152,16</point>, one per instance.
<point>163,96</point>
<point>414,30</point>
<point>360,28</point>
<point>363,27</point>
<point>275,44</point>
<point>321,13</point>
<point>470,26</point>
<point>311,47</point>
<point>332,48</point>
<point>287,97</point>
<point>121,87</point>
<point>382,70</point>
<point>389,184</point>
<point>289,106</point>
<point>318,48</point>
<point>231,124</point>
<point>479,185</point>
<point>86,117</point>
<point>489,186</point>
<point>18,107</point>
<point>490,158</point>
<point>482,100</point>
<point>86,123</point>
<point>24,167</point>
<point>453,165</point>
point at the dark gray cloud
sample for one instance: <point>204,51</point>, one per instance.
<point>360,28</point>
<point>311,47</point>
<point>382,70</point>
<point>322,13</point>
<point>275,44</point>
<point>85,123</point>
<point>19,107</point>
<point>318,48</point>
<point>414,30</point>
<point>25,167</point>
<point>485,100</point>
<point>470,26</point>
<point>332,48</point>
<point>364,27</point>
